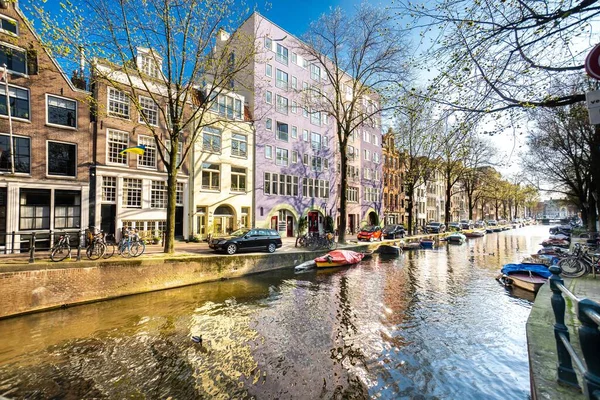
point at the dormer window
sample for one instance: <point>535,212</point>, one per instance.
<point>149,63</point>
<point>8,25</point>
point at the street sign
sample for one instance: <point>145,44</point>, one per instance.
<point>592,100</point>
<point>592,62</point>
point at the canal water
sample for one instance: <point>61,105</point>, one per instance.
<point>429,324</point>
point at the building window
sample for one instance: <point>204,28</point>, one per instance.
<point>281,79</point>
<point>22,150</point>
<point>118,103</point>
<point>268,43</point>
<point>268,152</point>
<point>281,156</point>
<point>158,194</point>
<point>317,164</point>
<point>109,189</point>
<point>305,159</point>
<point>238,179</point>
<point>34,210</point>
<point>132,193</point>
<point>269,124</point>
<point>179,150</point>
<point>325,164</point>
<point>211,140</point>
<point>117,141</point>
<point>15,59</point>
<point>179,194</point>
<point>149,110</point>
<point>282,54</point>
<point>294,82</point>
<point>67,209</point>
<point>282,105</point>
<point>282,131</point>
<point>62,159</point>
<point>305,135</point>
<point>316,141</point>
<point>274,183</point>
<point>148,159</point>
<point>295,58</point>
<point>267,183</point>
<point>8,25</point>
<point>19,102</point>
<point>315,72</point>
<point>269,70</point>
<point>149,66</point>
<point>352,194</point>
<point>211,176</point>
<point>239,145</point>
<point>61,111</point>
<point>294,107</point>
<point>315,118</point>
<point>227,106</point>
<point>294,132</point>
<point>269,97</point>
<point>294,157</point>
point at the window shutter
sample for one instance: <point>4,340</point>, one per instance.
<point>32,62</point>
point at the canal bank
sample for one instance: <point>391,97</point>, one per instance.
<point>37,287</point>
<point>541,342</point>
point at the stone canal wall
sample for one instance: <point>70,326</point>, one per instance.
<point>28,288</point>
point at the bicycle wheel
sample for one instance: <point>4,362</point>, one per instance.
<point>331,244</point>
<point>141,248</point>
<point>313,244</point>
<point>110,250</point>
<point>125,249</point>
<point>95,250</point>
<point>572,267</point>
<point>60,252</point>
<point>134,249</point>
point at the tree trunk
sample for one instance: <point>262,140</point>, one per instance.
<point>169,244</point>
<point>592,213</point>
<point>342,194</point>
<point>447,205</point>
<point>496,209</point>
<point>410,192</point>
<point>595,164</point>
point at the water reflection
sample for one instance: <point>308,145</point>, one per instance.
<point>431,323</point>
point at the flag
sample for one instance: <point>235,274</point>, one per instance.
<point>139,149</point>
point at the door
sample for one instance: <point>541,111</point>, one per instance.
<point>313,222</point>
<point>274,222</point>
<point>290,226</point>
<point>108,213</point>
<point>179,221</point>
<point>352,223</point>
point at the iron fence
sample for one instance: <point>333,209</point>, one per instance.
<point>588,314</point>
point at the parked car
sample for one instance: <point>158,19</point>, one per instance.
<point>393,231</point>
<point>466,224</point>
<point>370,233</point>
<point>492,222</point>
<point>454,226</point>
<point>480,224</point>
<point>247,239</point>
<point>435,227</point>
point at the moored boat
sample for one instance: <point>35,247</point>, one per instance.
<point>389,249</point>
<point>475,234</point>
<point>411,246</point>
<point>456,238</point>
<point>339,258</point>
<point>525,276</point>
<point>427,243</point>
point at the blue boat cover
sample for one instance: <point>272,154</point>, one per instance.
<point>538,269</point>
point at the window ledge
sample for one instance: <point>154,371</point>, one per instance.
<point>119,117</point>
<point>210,190</point>
<point>240,157</point>
<point>16,119</point>
<point>61,177</point>
<point>70,128</point>
<point>145,168</point>
<point>19,174</point>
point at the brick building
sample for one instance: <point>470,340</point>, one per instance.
<point>393,172</point>
<point>52,146</point>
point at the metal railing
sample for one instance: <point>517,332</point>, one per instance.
<point>588,314</point>
<point>30,242</point>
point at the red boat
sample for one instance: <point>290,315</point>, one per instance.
<point>555,242</point>
<point>338,258</point>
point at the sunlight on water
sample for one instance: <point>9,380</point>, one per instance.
<point>431,322</point>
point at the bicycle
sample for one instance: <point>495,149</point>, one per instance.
<point>130,245</point>
<point>325,241</point>
<point>580,263</point>
<point>61,249</point>
<point>95,247</point>
<point>109,242</point>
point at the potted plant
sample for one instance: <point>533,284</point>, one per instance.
<point>302,225</point>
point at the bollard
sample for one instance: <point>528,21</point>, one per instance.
<point>81,238</point>
<point>12,246</point>
<point>589,338</point>
<point>566,374</point>
<point>32,248</point>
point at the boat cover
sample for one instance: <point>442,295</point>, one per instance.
<point>346,256</point>
<point>538,269</point>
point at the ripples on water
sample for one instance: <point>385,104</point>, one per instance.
<point>430,324</point>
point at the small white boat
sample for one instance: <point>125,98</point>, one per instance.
<point>456,238</point>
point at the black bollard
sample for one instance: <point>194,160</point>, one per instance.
<point>589,338</point>
<point>32,248</point>
<point>81,239</point>
<point>12,246</point>
<point>566,374</point>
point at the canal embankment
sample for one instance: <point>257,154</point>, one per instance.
<point>541,342</point>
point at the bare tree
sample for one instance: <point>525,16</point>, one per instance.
<point>416,138</point>
<point>183,72</point>
<point>477,162</point>
<point>360,60</point>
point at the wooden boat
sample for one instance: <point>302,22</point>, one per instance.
<point>389,249</point>
<point>411,246</point>
<point>367,254</point>
<point>497,229</point>
<point>475,234</point>
<point>338,258</point>
<point>456,238</point>
<point>525,276</point>
<point>489,230</point>
<point>427,243</point>
<point>555,242</point>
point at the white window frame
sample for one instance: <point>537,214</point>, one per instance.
<point>2,87</point>
<point>269,70</point>
<point>48,174</point>
<point>118,101</point>
<point>14,21</point>
<point>108,162</point>
<point>269,152</point>
<point>48,95</point>
<point>269,97</point>
<point>294,132</point>
<point>150,144</point>
<point>282,156</point>
<point>142,100</point>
